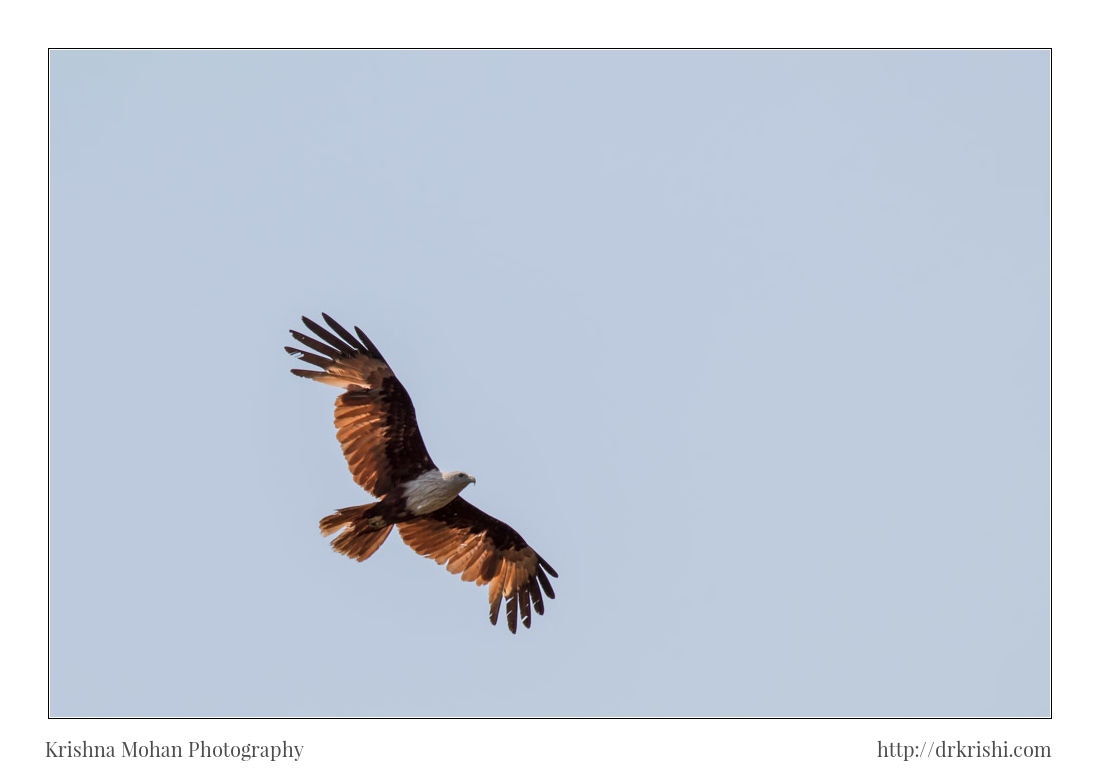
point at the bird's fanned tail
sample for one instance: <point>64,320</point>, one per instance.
<point>358,538</point>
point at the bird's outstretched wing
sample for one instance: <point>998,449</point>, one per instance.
<point>375,419</point>
<point>480,548</point>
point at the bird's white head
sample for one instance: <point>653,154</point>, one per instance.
<point>459,477</point>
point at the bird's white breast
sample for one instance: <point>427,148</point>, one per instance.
<point>430,491</point>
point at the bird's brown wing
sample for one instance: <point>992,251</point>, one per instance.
<point>484,550</point>
<point>375,419</point>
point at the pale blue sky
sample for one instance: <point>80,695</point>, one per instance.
<point>753,347</point>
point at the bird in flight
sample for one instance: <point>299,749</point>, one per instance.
<point>376,427</point>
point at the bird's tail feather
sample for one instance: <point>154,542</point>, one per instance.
<point>359,538</point>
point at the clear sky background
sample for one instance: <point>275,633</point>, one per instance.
<point>753,347</point>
